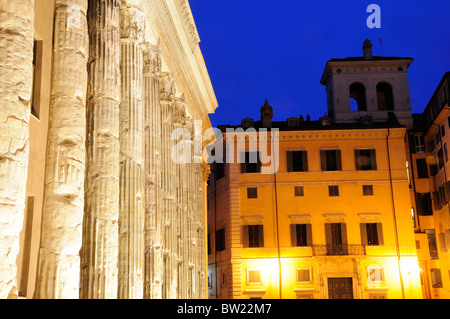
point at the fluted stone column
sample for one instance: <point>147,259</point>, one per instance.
<point>181,196</point>
<point>152,151</point>
<point>131,205</point>
<point>100,227</point>
<point>16,79</point>
<point>61,237</point>
<point>167,95</point>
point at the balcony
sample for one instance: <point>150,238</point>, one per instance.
<point>338,250</point>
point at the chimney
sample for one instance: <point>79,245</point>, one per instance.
<point>266,115</point>
<point>367,48</point>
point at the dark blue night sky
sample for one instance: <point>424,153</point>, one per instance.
<point>277,49</point>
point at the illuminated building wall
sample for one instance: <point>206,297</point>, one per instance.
<point>334,220</point>
<point>430,191</point>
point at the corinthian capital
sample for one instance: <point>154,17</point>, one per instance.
<point>168,89</point>
<point>180,111</point>
<point>132,21</point>
<point>152,59</point>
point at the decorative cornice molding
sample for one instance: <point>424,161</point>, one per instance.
<point>190,28</point>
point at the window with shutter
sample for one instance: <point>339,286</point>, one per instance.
<point>297,161</point>
<point>250,162</point>
<point>365,160</point>
<point>253,236</point>
<point>330,160</point>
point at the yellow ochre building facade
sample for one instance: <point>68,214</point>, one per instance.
<point>332,216</point>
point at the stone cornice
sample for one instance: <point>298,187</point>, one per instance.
<point>294,136</point>
<point>181,53</point>
<point>190,28</point>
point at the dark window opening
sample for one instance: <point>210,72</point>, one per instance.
<point>330,160</point>
<point>252,192</point>
<point>220,239</point>
<point>333,190</point>
<point>357,97</point>
<point>385,96</point>
<point>250,162</point>
<point>299,191</point>
<point>367,190</point>
<point>422,168</point>
<point>297,161</point>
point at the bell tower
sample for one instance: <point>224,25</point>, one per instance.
<point>368,85</point>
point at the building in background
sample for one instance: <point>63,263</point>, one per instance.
<point>91,92</point>
<point>337,217</point>
<point>430,189</point>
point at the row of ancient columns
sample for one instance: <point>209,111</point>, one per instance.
<point>120,219</point>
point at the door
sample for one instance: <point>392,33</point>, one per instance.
<point>340,288</point>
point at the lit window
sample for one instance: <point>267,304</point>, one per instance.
<point>254,277</point>
<point>436,279</point>
<point>375,274</point>
<point>304,275</point>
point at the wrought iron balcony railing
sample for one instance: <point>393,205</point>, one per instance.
<point>338,250</point>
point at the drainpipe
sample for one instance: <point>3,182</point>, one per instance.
<point>276,215</point>
<point>394,215</point>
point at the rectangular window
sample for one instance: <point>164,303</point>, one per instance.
<point>441,158</point>
<point>436,279</point>
<point>375,274</point>
<point>209,244</point>
<point>419,143</point>
<point>252,192</point>
<point>336,238</point>
<point>365,160</point>
<point>297,161</point>
<point>220,239</point>
<point>36,78</point>
<point>333,191</point>
<point>299,191</point>
<point>432,243</point>
<point>445,153</point>
<point>433,169</point>
<point>367,190</point>
<point>301,235</point>
<point>424,207</point>
<point>371,234</point>
<point>303,275</point>
<point>219,170</point>
<point>250,162</point>
<point>254,277</point>
<point>253,236</point>
<point>422,168</point>
<point>330,160</point>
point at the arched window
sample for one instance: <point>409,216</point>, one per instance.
<point>357,97</point>
<point>385,96</point>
